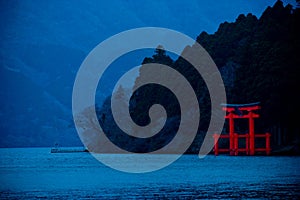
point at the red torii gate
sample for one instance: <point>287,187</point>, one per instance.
<point>241,111</point>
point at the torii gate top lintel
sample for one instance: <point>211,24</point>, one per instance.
<point>241,107</point>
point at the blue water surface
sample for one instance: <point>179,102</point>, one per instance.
<point>30,173</point>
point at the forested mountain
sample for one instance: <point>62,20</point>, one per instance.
<point>44,43</point>
<point>265,53</point>
<point>259,62</point>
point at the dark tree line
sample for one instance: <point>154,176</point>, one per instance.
<point>259,61</point>
<point>265,52</point>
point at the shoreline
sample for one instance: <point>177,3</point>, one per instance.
<point>289,150</point>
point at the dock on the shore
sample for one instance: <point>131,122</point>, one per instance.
<point>68,149</point>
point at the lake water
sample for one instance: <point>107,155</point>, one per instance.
<point>36,173</point>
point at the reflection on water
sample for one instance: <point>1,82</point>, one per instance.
<point>35,173</point>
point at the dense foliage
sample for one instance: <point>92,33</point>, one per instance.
<point>259,62</point>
